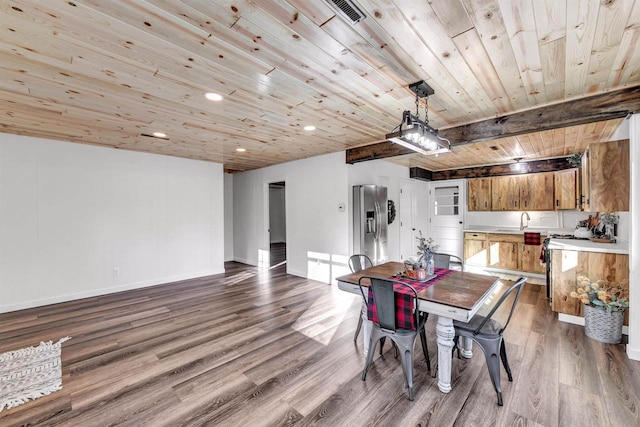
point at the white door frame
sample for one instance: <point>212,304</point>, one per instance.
<point>266,237</point>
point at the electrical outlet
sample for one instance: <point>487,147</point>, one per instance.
<point>116,271</point>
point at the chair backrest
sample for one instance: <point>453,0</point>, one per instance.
<point>517,286</point>
<point>441,260</point>
<point>385,301</point>
<point>359,262</point>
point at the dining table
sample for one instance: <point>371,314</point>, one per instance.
<point>457,295</point>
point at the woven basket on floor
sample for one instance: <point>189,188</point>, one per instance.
<point>602,326</point>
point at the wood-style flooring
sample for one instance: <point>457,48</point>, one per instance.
<point>277,254</point>
<point>262,348</point>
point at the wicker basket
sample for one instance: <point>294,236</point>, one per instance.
<point>602,326</point>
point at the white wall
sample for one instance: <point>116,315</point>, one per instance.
<point>319,236</point>
<point>317,232</point>
<point>277,215</point>
<point>633,348</point>
<point>228,217</point>
<point>622,132</point>
<point>71,213</point>
<point>548,219</point>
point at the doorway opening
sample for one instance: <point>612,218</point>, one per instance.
<point>277,225</point>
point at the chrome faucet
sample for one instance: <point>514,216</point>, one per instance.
<point>522,225</point>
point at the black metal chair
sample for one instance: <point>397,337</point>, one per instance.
<point>487,332</point>
<point>442,260</point>
<point>404,339</point>
<point>357,263</point>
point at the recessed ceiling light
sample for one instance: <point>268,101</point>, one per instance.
<point>160,134</point>
<point>213,96</point>
<point>241,150</point>
<point>309,128</point>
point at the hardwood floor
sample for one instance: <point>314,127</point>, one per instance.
<point>277,254</point>
<point>264,348</point>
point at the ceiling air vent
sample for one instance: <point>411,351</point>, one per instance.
<point>347,9</point>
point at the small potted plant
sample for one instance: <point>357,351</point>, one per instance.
<point>575,160</point>
<point>604,306</point>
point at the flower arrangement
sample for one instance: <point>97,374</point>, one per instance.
<point>606,224</point>
<point>609,218</point>
<point>600,294</point>
<point>425,246</point>
<point>424,266</point>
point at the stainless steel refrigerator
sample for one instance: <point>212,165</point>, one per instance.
<point>370,222</point>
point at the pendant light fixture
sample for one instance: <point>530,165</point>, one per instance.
<point>416,134</point>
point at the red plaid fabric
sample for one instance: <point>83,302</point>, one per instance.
<point>405,319</point>
<point>543,251</point>
<point>531,238</point>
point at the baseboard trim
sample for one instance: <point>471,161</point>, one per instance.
<point>578,320</point>
<point>633,354</point>
<point>245,261</point>
<point>104,291</point>
<point>297,273</point>
<point>567,318</point>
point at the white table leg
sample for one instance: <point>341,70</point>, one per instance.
<point>467,347</point>
<point>445,333</point>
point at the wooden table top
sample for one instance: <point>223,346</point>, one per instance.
<point>460,289</point>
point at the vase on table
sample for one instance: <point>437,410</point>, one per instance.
<point>427,263</point>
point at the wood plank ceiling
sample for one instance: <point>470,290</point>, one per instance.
<point>108,72</point>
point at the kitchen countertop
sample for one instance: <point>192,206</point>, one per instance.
<point>619,247</point>
<point>516,230</point>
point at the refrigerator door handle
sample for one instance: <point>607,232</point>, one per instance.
<point>378,222</point>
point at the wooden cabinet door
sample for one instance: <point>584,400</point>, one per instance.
<point>475,249</point>
<point>536,192</point>
<point>503,251</point>
<point>505,193</point>
<point>479,194</point>
<point>564,270</point>
<point>566,186</point>
<point>567,265</point>
<point>530,259</point>
<point>609,176</point>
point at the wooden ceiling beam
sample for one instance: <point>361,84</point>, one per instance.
<point>605,106</point>
<point>535,166</point>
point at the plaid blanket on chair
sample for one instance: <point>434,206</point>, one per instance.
<point>405,318</point>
